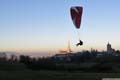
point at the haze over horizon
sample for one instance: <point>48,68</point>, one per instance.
<point>45,26</point>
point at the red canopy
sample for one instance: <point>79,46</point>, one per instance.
<point>76,15</point>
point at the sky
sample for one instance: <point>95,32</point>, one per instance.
<point>45,26</point>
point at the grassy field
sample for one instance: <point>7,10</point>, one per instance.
<point>54,75</point>
<point>18,71</point>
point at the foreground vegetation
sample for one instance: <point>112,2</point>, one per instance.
<point>83,66</point>
<point>54,75</point>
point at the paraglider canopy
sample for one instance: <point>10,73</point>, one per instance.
<point>76,15</point>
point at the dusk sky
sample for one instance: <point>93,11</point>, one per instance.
<point>46,25</point>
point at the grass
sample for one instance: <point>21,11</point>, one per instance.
<point>18,71</point>
<point>54,75</point>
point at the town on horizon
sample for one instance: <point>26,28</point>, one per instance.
<point>109,50</point>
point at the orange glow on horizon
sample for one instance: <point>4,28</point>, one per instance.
<point>57,48</point>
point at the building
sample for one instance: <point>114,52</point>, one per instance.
<point>109,48</point>
<point>62,57</point>
<point>3,56</point>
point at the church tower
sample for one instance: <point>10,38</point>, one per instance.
<point>109,49</point>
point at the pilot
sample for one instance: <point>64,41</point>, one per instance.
<point>80,43</point>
